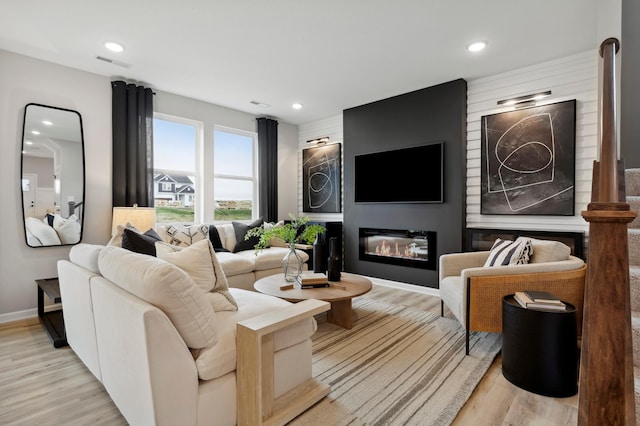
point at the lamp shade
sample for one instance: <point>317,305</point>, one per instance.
<point>143,218</point>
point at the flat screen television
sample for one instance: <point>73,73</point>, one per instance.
<point>407,175</point>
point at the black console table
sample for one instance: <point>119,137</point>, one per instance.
<point>52,321</point>
<point>540,349</point>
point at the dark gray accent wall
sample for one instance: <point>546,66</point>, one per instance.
<point>630,84</point>
<point>434,114</point>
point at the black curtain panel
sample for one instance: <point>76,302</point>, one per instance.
<point>268,166</point>
<point>132,145</point>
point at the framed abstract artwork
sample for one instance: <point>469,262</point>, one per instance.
<point>322,179</point>
<point>528,161</point>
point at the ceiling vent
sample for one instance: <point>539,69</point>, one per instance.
<point>111,61</point>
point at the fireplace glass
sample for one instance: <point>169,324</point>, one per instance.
<point>410,248</point>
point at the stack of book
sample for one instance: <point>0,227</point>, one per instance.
<point>539,300</point>
<point>312,280</point>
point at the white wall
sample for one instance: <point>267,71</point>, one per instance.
<point>24,80</point>
<point>572,77</point>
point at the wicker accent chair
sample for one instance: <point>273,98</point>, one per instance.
<point>474,292</point>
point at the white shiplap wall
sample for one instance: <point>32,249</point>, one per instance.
<point>572,77</point>
<point>332,127</point>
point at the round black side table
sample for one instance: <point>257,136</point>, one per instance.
<point>540,349</point>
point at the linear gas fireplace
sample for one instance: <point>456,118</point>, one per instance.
<point>415,249</point>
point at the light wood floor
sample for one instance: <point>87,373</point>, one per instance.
<point>41,385</point>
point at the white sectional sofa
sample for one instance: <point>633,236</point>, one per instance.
<point>152,336</point>
<point>242,268</point>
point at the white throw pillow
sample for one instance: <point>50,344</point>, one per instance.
<point>68,229</point>
<point>200,262</point>
<point>504,253</point>
<point>165,286</point>
<point>549,251</point>
<point>44,234</point>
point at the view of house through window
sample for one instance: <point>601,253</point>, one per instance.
<point>174,162</point>
<point>175,143</point>
<point>235,181</point>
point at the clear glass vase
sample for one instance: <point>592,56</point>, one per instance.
<point>292,265</point>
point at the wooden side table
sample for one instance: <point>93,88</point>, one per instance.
<point>540,349</point>
<point>52,321</point>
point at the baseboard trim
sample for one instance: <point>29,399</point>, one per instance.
<point>404,286</point>
<point>17,316</point>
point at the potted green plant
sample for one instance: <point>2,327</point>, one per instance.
<point>296,231</point>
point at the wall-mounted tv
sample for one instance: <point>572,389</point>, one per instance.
<point>407,175</point>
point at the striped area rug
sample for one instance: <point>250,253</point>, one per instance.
<point>396,366</point>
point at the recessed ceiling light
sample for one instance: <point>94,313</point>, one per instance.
<point>28,142</point>
<point>477,46</point>
<point>47,123</point>
<point>35,132</point>
<point>296,106</point>
<point>113,46</point>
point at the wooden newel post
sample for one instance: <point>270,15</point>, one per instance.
<point>606,394</point>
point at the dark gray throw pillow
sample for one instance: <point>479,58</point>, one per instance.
<point>216,242</point>
<point>241,229</point>
<point>140,243</point>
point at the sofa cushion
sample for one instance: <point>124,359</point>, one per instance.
<point>86,255</point>
<point>241,230</point>
<point>140,243</point>
<point>220,359</point>
<point>200,262</point>
<point>233,264</point>
<point>549,251</point>
<point>165,286</point>
<point>270,258</point>
<point>505,252</point>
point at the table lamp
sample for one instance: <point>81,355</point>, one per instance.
<point>143,218</point>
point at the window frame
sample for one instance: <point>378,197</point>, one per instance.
<point>198,213</point>
<point>254,167</point>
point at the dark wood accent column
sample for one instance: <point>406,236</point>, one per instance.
<point>606,394</point>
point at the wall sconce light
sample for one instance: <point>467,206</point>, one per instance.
<point>319,141</point>
<point>526,100</point>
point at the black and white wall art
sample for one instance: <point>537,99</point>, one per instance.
<point>528,161</point>
<point>322,179</point>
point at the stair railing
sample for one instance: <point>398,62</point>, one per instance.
<point>606,394</point>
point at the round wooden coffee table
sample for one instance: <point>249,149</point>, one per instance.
<point>339,294</point>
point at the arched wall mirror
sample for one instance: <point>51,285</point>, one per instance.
<point>52,176</point>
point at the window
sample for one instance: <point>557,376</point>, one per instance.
<point>235,182</point>
<point>174,172</point>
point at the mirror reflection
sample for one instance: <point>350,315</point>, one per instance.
<point>52,181</point>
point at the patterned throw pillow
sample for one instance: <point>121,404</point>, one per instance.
<point>186,235</point>
<point>505,252</point>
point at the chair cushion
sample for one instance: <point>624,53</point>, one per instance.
<point>200,262</point>
<point>549,251</point>
<point>165,286</point>
<point>505,252</point>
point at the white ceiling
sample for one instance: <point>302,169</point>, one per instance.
<point>326,54</point>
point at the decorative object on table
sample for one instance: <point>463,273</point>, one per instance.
<point>333,263</point>
<point>319,255</point>
<point>550,303</point>
<point>294,232</point>
<point>528,161</point>
<point>322,179</point>
<point>312,280</point>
